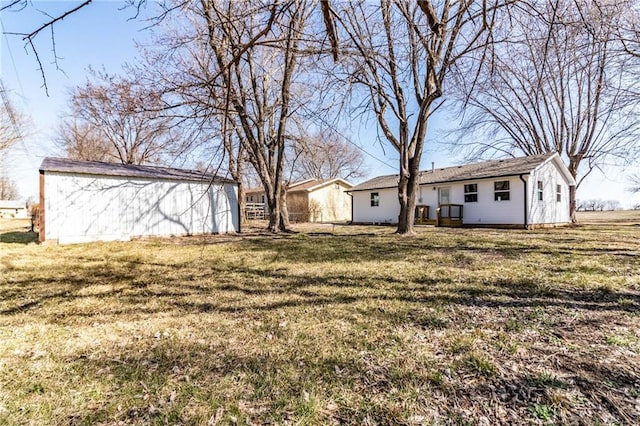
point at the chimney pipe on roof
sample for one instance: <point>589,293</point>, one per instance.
<point>433,166</point>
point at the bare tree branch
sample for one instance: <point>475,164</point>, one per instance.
<point>562,84</point>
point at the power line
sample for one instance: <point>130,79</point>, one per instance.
<point>320,120</point>
<point>13,62</point>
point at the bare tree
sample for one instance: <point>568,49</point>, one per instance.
<point>126,115</point>
<point>8,189</point>
<point>398,55</point>
<point>594,204</point>
<point>256,52</point>
<point>581,205</point>
<point>627,28</point>
<point>635,183</point>
<point>326,155</point>
<point>83,141</point>
<point>12,123</point>
<point>12,130</point>
<point>561,84</point>
<point>612,205</point>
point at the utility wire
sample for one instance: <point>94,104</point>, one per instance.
<point>320,120</point>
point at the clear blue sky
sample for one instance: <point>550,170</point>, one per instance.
<point>102,35</point>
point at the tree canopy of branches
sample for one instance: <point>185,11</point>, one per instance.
<point>253,71</point>
<point>326,155</point>
<point>83,141</point>
<point>635,183</point>
<point>563,83</point>
<point>117,119</point>
<point>11,123</point>
<point>8,189</point>
<point>397,55</point>
<point>12,130</point>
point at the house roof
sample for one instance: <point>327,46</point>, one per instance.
<point>307,185</point>
<point>12,204</point>
<point>484,170</point>
<point>313,184</point>
<point>99,168</point>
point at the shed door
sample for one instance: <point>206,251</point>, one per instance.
<point>443,196</point>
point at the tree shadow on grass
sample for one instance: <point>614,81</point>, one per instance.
<point>219,288</point>
<point>237,293</point>
<point>18,237</point>
<point>307,248</point>
<point>157,380</point>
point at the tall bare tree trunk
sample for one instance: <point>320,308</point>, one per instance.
<point>407,192</point>
<point>405,51</point>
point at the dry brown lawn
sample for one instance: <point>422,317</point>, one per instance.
<point>620,217</point>
<point>332,325</point>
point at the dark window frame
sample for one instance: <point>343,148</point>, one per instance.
<point>540,190</point>
<point>471,193</point>
<point>375,199</point>
<point>501,190</point>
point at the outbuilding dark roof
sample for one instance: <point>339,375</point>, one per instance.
<point>484,170</point>
<point>99,168</point>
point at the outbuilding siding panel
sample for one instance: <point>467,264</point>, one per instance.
<point>83,208</point>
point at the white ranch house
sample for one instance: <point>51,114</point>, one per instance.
<point>13,209</point>
<point>525,192</point>
<point>83,201</point>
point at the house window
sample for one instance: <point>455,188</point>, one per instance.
<point>375,199</point>
<point>501,190</point>
<point>558,193</point>
<point>540,186</point>
<point>471,193</point>
<point>263,199</point>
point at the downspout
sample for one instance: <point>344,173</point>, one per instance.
<point>239,209</point>
<point>526,212</point>
<point>351,195</point>
<point>41,209</point>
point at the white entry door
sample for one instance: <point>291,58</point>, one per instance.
<point>443,196</point>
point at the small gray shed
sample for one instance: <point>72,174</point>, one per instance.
<point>85,201</point>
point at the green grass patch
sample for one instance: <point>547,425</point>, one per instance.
<point>544,412</point>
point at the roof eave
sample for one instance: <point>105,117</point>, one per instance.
<point>440,182</point>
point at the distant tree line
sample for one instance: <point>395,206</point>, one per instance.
<point>598,205</point>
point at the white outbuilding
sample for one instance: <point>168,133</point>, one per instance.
<point>84,201</point>
<point>524,192</point>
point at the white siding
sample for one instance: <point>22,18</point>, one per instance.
<point>485,211</point>
<point>335,203</point>
<point>428,196</point>
<point>488,211</point>
<point>81,208</point>
<point>386,212</point>
<point>548,210</point>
